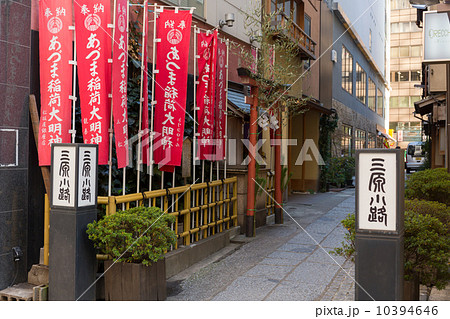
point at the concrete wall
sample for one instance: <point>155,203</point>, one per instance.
<point>14,90</point>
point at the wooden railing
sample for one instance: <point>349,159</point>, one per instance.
<point>286,26</point>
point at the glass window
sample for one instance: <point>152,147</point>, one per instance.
<point>289,7</point>
<point>404,52</point>
<point>360,139</point>
<point>399,4</point>
<point>416,75</point>
<point>380,103</point>
<point>393,102</point>
<point>307,27</point>
<point>198,4</point>
<point>399,27</point>
<point>403,101</point>
<point>394,52</point>
<point>346,143</point>
<point>347,71</point>
<point>416,50</point>
<point>371,140</point>
<point>414,99</point>
<point>361,84</point>
<point>372,95</point>
<point>402,76</point>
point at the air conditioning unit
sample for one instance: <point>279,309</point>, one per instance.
<point>334,56</point>
<point>437,78</point>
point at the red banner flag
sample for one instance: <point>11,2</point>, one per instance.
<point>93,42</point>
<point>119,83</point>
<point>207,50</point>
<point>145,129</point>
<point>221,101</point>
<point>173,30</point>
<point>55,51</point>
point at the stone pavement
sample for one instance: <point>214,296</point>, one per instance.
<point>282,262</point>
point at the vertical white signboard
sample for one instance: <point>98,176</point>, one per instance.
<point>436,36</point>
<point>377,191</point>
<point>64,170</point>
<point>87,166</point>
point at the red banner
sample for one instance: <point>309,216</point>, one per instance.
<point>55,52</point>
<point>174,30</point>
<point>221,101</point>
<point>119,83</point>
<point>94,73</point>
<point>145,129</point>
<point>207,50</point>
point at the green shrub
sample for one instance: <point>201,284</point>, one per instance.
<point>340,170</point>
<point>430,184</point>
<point>435,209</point>
<point>139,235</point>
<point>426,247</point>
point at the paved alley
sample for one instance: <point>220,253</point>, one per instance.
<point>283,262</point>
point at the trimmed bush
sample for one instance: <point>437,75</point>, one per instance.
<point>435,209</point>
<point>430,185</point>
<point>138,235</point>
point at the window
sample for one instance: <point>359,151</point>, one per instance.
<point>346,143</point>
<point>416,75</point>
<point>307,30</point>
<point>198,4</point>
<point>400,27</point>
<point>393,102</point>
<point>394,52</point>
<point>347,71</point>
<point>401,76</point>
<point>361,84</point>
<point>371,140</point>
<point>414,99</point>
<point>291,8</point>
<point>404,52</point>
<point>400,4</point>
<point>380,103</point>
<point>360,140</point>
<point>372,95</point>
<point>416,50</point>
<point>403,101</point>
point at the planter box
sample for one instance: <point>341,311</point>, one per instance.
<point>411,290</point>
<point>128,281</point>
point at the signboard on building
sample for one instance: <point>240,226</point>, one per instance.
<point>436,37</point>
<point>378,176</point>
<point>74,175</point>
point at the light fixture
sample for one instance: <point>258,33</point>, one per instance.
<point>229,20</point>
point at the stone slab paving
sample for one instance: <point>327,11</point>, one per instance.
<point>284,262</point>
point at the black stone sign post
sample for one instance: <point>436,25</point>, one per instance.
<point>380,185</point>
<point>72,263</point>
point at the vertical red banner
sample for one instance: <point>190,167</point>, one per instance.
<point>145,127</point>
<point>221,101</point>
<point>173,30</point>
<point>119,83</point>
<point>93,42</point>
<point>55,52</point>
<point>207,50</point>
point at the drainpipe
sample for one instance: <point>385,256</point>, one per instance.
<point>250,226</point>
<point>278,193</point>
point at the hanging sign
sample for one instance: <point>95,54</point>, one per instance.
<point>55,52</point>
<point>221,101</point>
<point>119,83</point>
<point>93,51</point>
<point>173,31</point>
<point>207,51</point>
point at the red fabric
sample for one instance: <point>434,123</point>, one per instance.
<point>174,30</point>
<point>221,101</point>
<point>119,83</point>
<point>93,42</point>
<point>55,52</point>
<point>145,128</point>
<point>207,50</point>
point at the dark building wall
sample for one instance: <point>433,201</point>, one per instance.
<point>14,129</point>
<point>343,38</point>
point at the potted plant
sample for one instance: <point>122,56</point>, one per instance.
<point>136,241</point>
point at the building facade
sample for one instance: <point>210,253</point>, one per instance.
<point>406,73</point>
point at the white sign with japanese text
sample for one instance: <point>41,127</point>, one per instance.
<point>87,166</point>
<point>377,191</point>
<point>63,193</point>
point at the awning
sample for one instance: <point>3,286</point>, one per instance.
<point>425,106</point>
<point>316,105</point>
<point>387,136</point>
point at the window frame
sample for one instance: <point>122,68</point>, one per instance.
<point>361,83</point>
<point>347,70</point>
